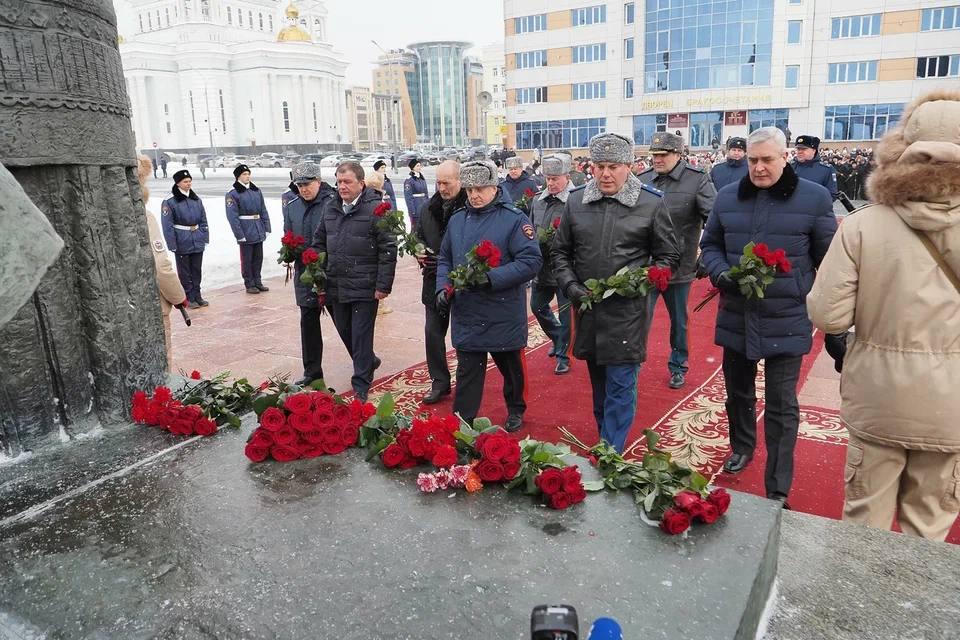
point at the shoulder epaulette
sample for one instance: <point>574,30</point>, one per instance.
<point>697,169</point>
<point>511,207</point>
<point>646,187</point>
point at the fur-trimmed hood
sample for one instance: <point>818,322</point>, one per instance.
<point>918,172</point>
<point>240,188</point>
<point>782,189</point>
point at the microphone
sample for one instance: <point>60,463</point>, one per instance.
<point>605,629</point>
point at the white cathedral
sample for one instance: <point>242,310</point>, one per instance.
<point>241,75</point>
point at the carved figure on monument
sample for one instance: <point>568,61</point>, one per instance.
<point>91,332</point>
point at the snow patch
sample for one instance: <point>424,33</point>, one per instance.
<point>768,610</point>
<point>13,627</point>
<point>96,432</point>
<point>17,459</point>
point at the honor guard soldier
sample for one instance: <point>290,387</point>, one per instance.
<point>807,165</point>
<point>415,193</point>
<point>491,318</point>
<point>185,229</point>
<point>735,167</point>
<point>250,222</point>
<point>689,195</point>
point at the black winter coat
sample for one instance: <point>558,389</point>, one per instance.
<point>302,218</point>
<point>361,259</point>
<point>433,224</point>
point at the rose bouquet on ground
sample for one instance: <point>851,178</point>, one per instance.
<point>313,273</point>
<point>756,271</point>
<point>391,220</point>
<point>291,246</point>
<point>473,273</point>
<point>545,235</point>
<point>627,283</point>
<point>543,471</point>
<point>524,201</point>
<point>161,409</point>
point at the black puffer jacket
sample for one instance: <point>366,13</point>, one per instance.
<point>433,224</point>
<point>361,259</point>
<point>302,218</point>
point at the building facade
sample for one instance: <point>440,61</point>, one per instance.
<point>245,76</point>
<point>393,76</point>
<point>494,83</point>
<point>438,90</point>
<point>711,69</point>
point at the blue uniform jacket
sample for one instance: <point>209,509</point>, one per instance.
<point>247,214</point>
<point>495,319</point>
<point>388,187</point>
<point>415,193</point>
<point>795,215</point>
<point>184,211</point>
<point>819,172</point>
<point>303,218</point>
<point>728,172</point>
<point>514,188</point>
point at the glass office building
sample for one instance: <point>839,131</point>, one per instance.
<point>438,92</point>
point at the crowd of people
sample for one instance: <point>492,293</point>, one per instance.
<point>693,214</point>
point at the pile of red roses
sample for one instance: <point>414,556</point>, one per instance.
<point>776,258</point>
<point>309,425</point>
<point>499,456</point>
<point>561,487</point>
<point>162,410</point>
<point>690,507</point>
<point>427,440</point>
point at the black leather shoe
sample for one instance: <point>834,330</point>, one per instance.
<point>253,290</point>
<point>193,305</point>
<point>677,380</point>
<point>436,394</point>
<point>782,499</point>
<point>303,382</point>
<point>553,352</point>
<point>514,422</point>
<point>736,463</point>
<point>562,368</point>
<point>362,397</point>
<point>203,303</point>
<point>262,288</point>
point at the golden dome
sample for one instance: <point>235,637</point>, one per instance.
<point>293,32</point>
<point>292,11</point>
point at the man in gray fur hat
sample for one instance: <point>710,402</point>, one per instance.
<point>614,221</point>
<point>518,183</point>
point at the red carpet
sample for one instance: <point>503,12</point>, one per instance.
<point>691,421</point>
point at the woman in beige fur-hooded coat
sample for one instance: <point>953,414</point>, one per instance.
<point>901,377</point>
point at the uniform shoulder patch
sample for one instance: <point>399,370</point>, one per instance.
<point>528,231</point>
<point>230,201</point>
<point>165,209</point>
<point>158,246</point>
<point>651,189</point>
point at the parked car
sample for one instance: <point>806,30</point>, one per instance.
<point>313,157</point>
<point>370,159</point>
<point>331,160</point>
<point>406,157</point>
<point>268,159</point>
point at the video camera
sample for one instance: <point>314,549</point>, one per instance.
<point>560,622</point>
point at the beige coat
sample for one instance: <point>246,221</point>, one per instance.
<point>171,291</point>
<point>901,375</point>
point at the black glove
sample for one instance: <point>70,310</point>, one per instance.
<point>727,284</point>
<point>442,304</point>
<point>836,345</point>
<point>701,270</point>
<point>576,291</point>
<point>486,285</point>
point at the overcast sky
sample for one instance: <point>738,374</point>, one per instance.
<point>350,27</point>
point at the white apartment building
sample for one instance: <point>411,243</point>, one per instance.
<point>495,83</point>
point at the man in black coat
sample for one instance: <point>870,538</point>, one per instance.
<point>449,197</point>
<point>360,265</point>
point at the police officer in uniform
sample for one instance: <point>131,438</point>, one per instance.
<point>735,168</point>
<point>614,221</point>
<point>415,192</point>
<point>517,182</point>
<point>808,165</point>
<point>301,215</point>
<point>689,195</point>
<point>291,192</point>
<point>250,222</point>
<point>491,318</point>
<point>185,229</point>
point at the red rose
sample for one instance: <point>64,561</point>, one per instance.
<point>368,411</point>
<point>273,419</point>
<point>490,471</point>
<point>313,436</point>
<point>323,418</point>
<point>162,394</point>
<point>674,521</point>
<point>549,481</point>
<point>593,459</point>
<point>262,438</point>
<point>686,499</point>
<point>494,259</point>
<point>333,447</point>
<point>381,209</point>
<point>761,250</point>
<point>571,480</point>
<point>195,375</point>
<point>182,427</point>
<point>284,453</point>
<point>556,223</point>
<point>285,436</point>
<point>660,277</point>
<point>560,500</point>
<point>720,499</point>
<point>709,513</point>
<point>299,403</point>
<point>349,435</point>
<point>256,452</point>
<point>322,401</point>
<point>301,422</point>
<point>780,259</point>
<point>577,496</point>
<point>511,469</point>
<point>331,433</point>
<point>445,456</point>
<point>393,455</point>
<point>497,449</point>
<point>309,450</point>
<point>341,415</point>
<point>483,249</point>
<point>205,427</point>
<point>309,256</point>
<point>528,193</point>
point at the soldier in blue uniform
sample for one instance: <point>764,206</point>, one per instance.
<point>492,318</point>
<point>185,229</point>
<point>292,192</point>
<point>415,193</point>
<point>735,168</point>
<point>301,215</point>
<point>807,165</point>
<point>250,222</point>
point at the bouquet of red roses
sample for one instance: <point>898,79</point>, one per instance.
<point>524,201</point>
<point>313,273</point>
<point>756,271</point>
<point>429,440</point>
<point>561,487</point>
<point>164,411</point>
<point>545,234</point>
<point>391,221</point>
<point>306,425</point>
<point>499,456</point>
<point>627,282</point>
<point>480,260</point>
<point>291,246</point>
<point>691,506</point>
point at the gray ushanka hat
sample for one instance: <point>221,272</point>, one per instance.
<point>556,165</point>
<point>611,147</point>
<point>513,161</point>
<point>479,173</point>
<point>306,172</point>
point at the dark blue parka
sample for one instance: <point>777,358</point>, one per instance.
<point>388,187</point>
<point>728,172</point>
<point>303,218</point>
<point>495,319</point>
<point>817,171</point>
<point>247,214</point>
<point>794,215</point>
<point>514,189</point>
<point>184,222</point>
<point>415,193</point>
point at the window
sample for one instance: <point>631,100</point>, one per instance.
<point>250,19</point>
<point>796,1</point>
<point>645,126</point>
<point>229,15</point>
<point>141,22</point>
<point>240,17</point>
<point>270,19</point>
<point>846,72</point>
<point>193,113</point>
<point>166,109</point>
<point>315,126</point>
<point>590,53</point>
<point>260,16</point>
<point>169,128</point>
<point>149,22</point>
<point>855,26</point>
<point>794,31</point>
<point>589,90</point>
<point>792,77</point>
<point>166,15</point>
<point>629,13</point>
<point>938,19</point>
<point>253,124</point>
<point>223,113</point>
<point>589,15</point>
<point>531,95</point>
<point>706,129</point>
<point>529,24</point>
<point>628,87</point>
<point>769,118</point>
<point>859,121</point>
<point>628,49</point>
<point>938,66</point>
<point>286,117</point>
<point>559,134</point>
<point>531,59</point>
